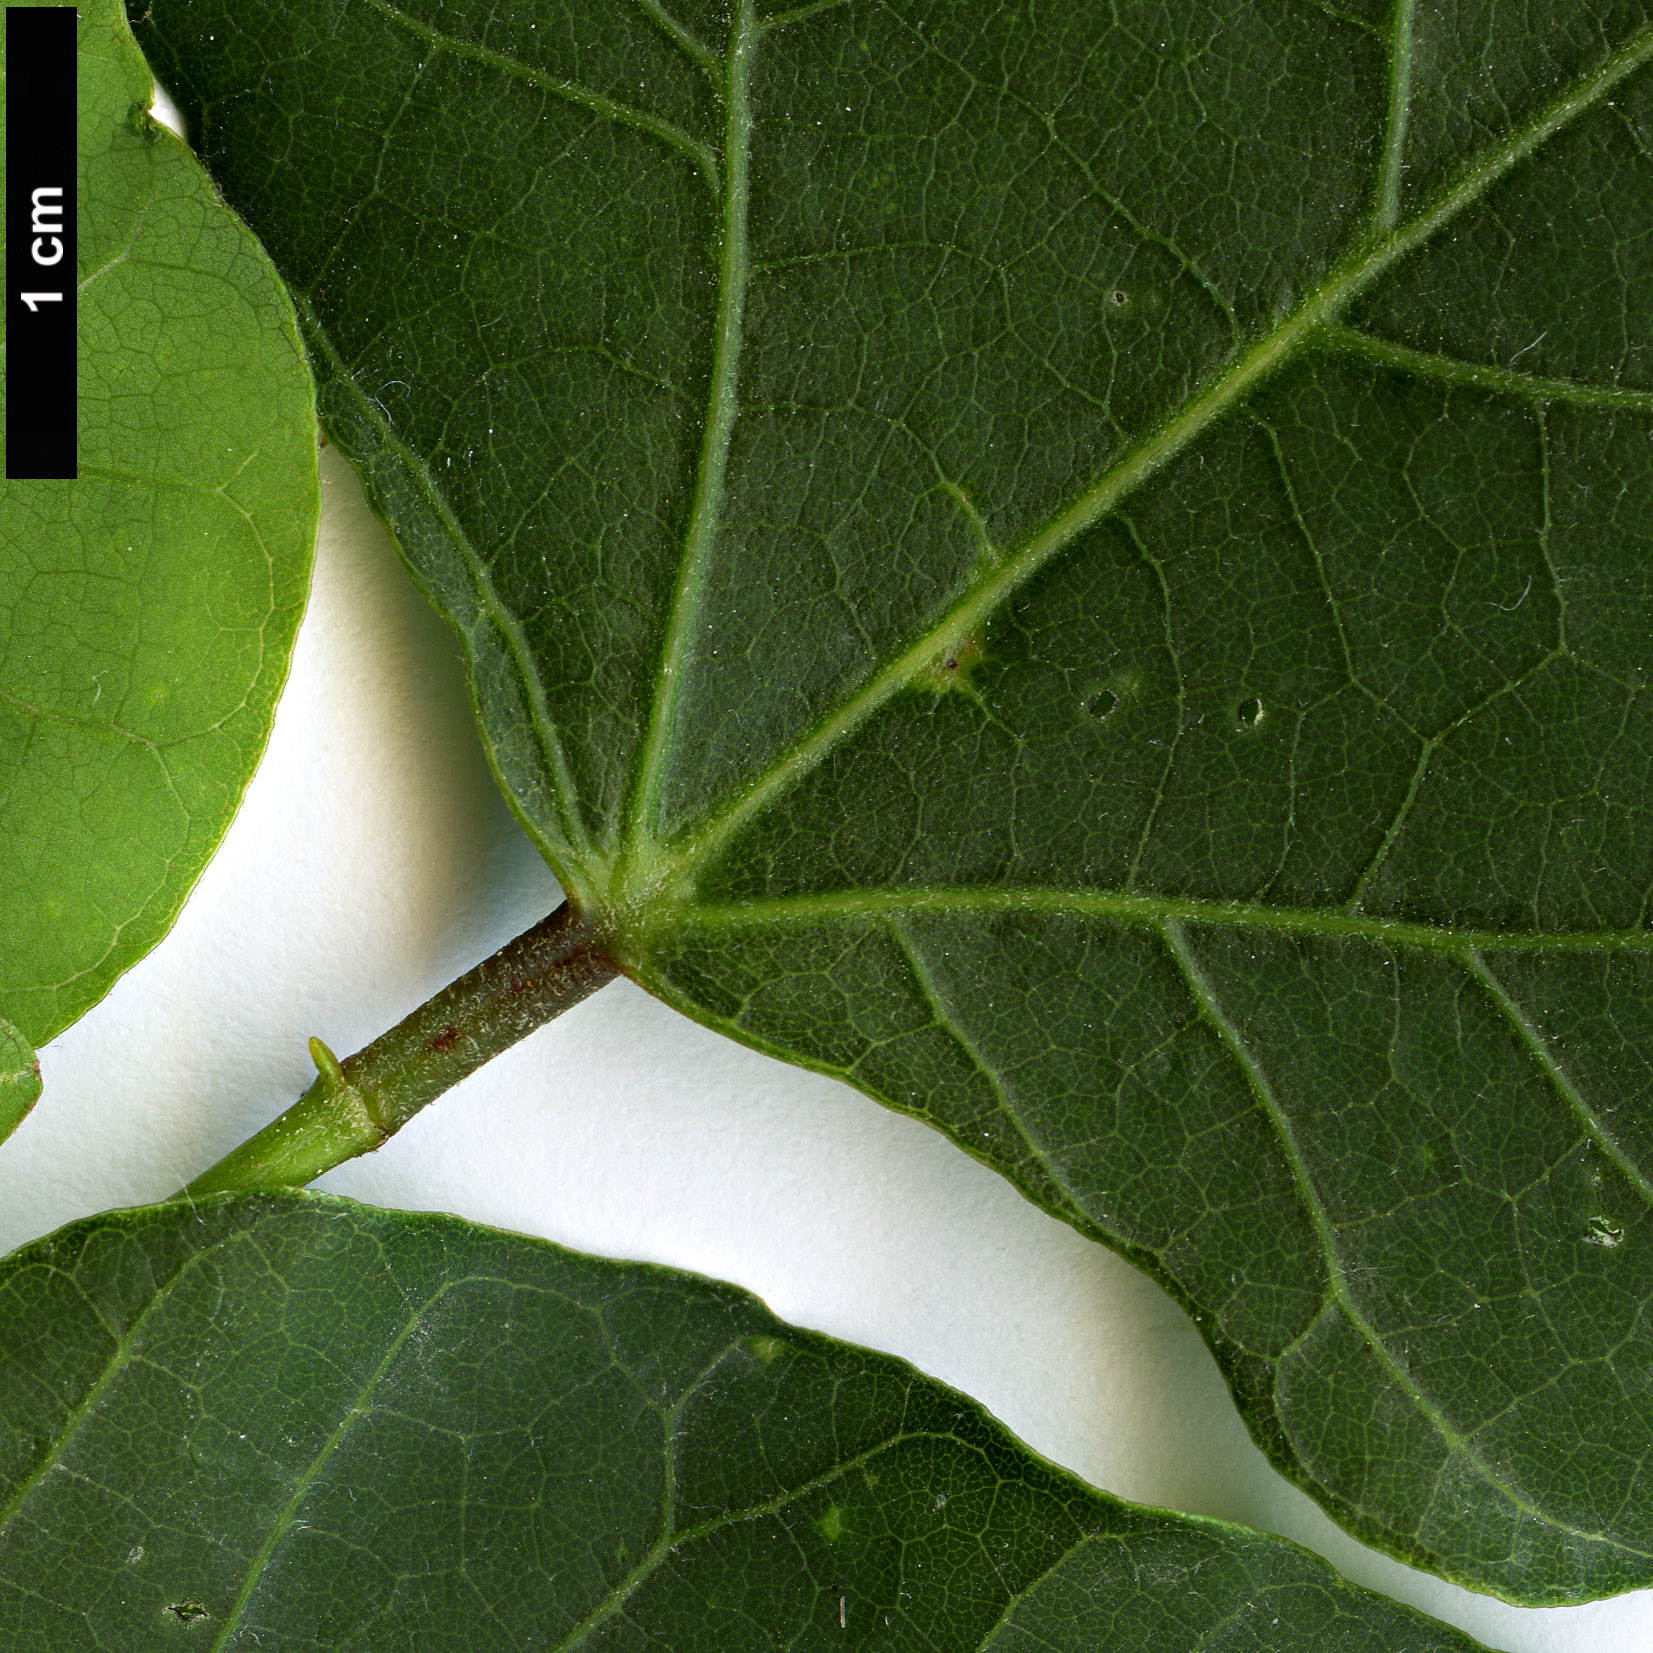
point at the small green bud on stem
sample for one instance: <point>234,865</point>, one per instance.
<point>357,1105</point>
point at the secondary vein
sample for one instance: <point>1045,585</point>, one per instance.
<point>671,1542</point>
<point>353,1414</point>
<point>1482,376</point>
<point>571,91</point>
<point>1337,1282</point>
<point>688,44</point>
<point>1534,1043</point>
<point>1321,306</point>
<point>948,1021</point>
<point>120,1357</point>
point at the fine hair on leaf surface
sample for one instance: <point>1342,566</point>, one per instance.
<point>484,1441</point>
<point>804,350</point>
<point>1088,571</point>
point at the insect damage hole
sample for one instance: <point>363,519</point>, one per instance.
<point>187,1612</point>
<point>1103,704</point>
<point>950,667</point>
<point>1249,713</point>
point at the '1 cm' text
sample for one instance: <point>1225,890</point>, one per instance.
<point>46,226</point>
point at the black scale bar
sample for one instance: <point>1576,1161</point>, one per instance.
<point>40,242</point>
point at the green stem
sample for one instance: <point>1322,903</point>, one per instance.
<point>359,1104</point>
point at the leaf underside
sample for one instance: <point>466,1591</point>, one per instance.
<point>147,609</point>
<point>406,1431</point>
<point>1089,570</point>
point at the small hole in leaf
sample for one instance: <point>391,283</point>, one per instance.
<point>1602,1231</point>
<point>1118,298</point>
<point>187,1612</point>
<point>1101,705</point>
<point>951,668</point>
<point>1249,713</point>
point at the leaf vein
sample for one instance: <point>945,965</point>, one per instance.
<point>1481,376</point>
<point>668,1543</point>
<point>1121,907</point>
<point>1400,102</point>
<point>717,433</point>
<point>1324,304</point>
<point>119,1359</point>
<point>1210,1008</point>
<point>571,91</point>
<point>352,1415</point>
<point>948,1022</point>
<point>686,41</point>
<point>1429,745</point>
<point>1538,1048</point>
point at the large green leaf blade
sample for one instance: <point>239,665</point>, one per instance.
<point>1390,1150</point>
<point>1090,575</point>
<point>147,609</point>
<point>296,1422</point>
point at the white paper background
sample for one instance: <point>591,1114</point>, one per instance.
<point>373,861</point>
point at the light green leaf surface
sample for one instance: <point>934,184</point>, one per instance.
<point>1090,570</point>
<point>297,1423</point>
<point>147,610</point>
<point>19,1079</point>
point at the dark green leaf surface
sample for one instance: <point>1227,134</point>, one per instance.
<point>1090,570</point>
<point>147,609</point>
<point>297,1423</point>
<point>19,1079</point>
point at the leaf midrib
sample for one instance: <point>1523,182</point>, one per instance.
<point>659,875</point>
<point>1400,108</point>
<point>722,410</point>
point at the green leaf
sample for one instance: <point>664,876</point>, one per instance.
<point>147,610</point>
<point>295,1422</point>
<point>1089,570</point>
<point>19,1079</point>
